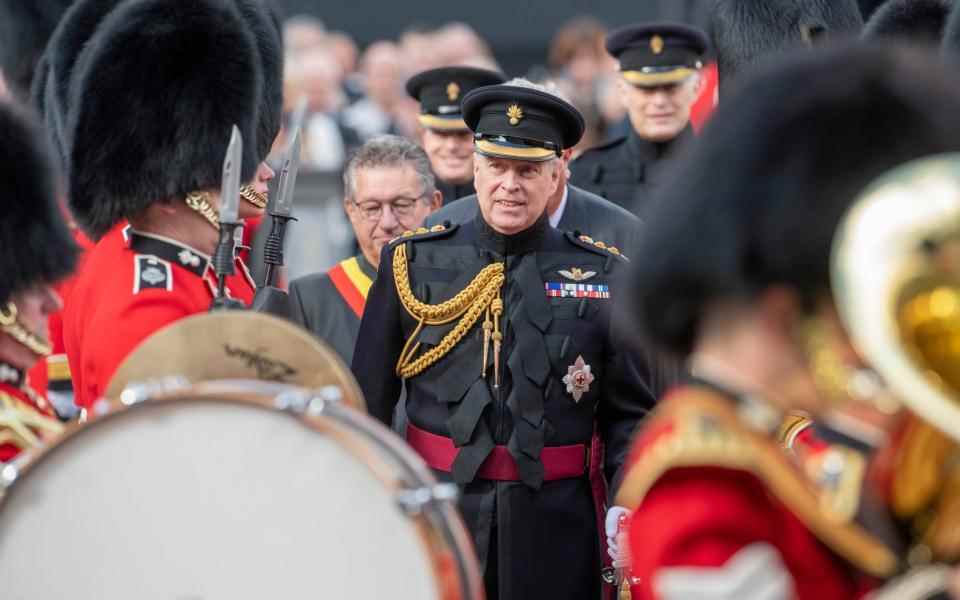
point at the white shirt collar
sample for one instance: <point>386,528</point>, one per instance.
<point>556,215</point>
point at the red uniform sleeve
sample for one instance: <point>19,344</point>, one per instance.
<point>115,335</point>
<point>697,517</point>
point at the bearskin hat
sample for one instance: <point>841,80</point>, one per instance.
<point>745,32</point>
<point>37,246</point>
<point>25,28</point>
<point>757,201</point>
<point>264,22</point>
<point>152,101</point>
<point>51,87</point>
<point>914,20</point>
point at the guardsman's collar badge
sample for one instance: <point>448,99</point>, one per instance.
<point>453,91</point>
<point>578,379</point>
<point>515,114</point>
<point>188,258</point>
<point>577,274</point>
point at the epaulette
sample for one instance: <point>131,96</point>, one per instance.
<point>424,233</point>
<point>597,247</point>
<point>697,429</point>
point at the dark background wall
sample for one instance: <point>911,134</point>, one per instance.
<point>518,30</point>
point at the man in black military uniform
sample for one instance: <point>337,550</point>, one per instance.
<point>500,330</point>
<point>568,209</point>
<point>445,137</point>
<point>659,82</point>
<point>388,188</point>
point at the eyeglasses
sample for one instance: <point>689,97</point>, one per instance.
<point>401,207</point>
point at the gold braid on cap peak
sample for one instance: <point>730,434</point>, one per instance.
<point>481,296</point>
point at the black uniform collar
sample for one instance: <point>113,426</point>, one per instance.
<point>170,250</point>
<point>11,375</point>
<point>455,191</point>
<point>527,240</point>
<point>649,151</point>
<point>753,410</point>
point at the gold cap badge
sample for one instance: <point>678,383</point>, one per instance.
<point>515,114</point>
<point>453,91</point>
<point>656,44</point>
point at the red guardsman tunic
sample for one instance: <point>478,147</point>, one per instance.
<point>129,287</point>
<point>719,506</point>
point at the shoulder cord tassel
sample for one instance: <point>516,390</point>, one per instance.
<point>468,305</point>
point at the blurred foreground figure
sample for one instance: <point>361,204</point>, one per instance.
<point>38,252</point>
<point>741,287</point>
<point>25,28</point>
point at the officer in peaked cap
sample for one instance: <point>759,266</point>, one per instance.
<point>659,82</point>
<point>500,331</point>
<point>569,209</point>
<point>445,137</point>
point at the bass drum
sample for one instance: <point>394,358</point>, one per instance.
<point>231,490</point>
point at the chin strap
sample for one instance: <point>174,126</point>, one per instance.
<point>200,203</point>
<point>11,325</point>
<point>254,197</point>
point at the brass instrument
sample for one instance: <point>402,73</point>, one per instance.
<point>896,282</point>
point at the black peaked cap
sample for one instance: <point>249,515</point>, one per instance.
<point>440,91</point>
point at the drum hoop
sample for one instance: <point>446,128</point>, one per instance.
<point>439,527</point>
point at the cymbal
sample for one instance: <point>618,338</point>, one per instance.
<point>236,345</point>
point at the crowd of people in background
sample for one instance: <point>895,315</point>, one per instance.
<point>346,96</point>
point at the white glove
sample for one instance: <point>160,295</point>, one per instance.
<point>617,546</point>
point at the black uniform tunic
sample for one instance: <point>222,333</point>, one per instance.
<point>454,191</point>
<point>540,538</point>
<point>626,170</point>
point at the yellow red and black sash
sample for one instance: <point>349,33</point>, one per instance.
<point>352,283</point>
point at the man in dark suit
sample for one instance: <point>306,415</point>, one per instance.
<point>569,209</point>
<point>388,189</point>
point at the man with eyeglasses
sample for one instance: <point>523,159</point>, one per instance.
<point>388,189</point>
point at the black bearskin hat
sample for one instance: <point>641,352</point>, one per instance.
<point>757,201</point>
<point>913,20</point>
<point>25,27</point>
<point>37,246</point>
<point>152,101</point>
<point>51,87</point>
<point>264,22</point>
<point>745,32</point>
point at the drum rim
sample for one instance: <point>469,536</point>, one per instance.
<point>439,527</point>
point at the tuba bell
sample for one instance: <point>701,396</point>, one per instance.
<point>896,282</point>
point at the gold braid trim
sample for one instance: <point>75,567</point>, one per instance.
<point>481,296</point>
<point>727,443</point>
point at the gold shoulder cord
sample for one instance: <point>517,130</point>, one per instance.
<point>482,295</point>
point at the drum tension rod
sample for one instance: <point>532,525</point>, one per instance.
<point>413,501</point>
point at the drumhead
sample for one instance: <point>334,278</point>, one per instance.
<point>202,497</point>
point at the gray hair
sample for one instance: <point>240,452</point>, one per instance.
<point>390,151</point>
<point>548,86</point>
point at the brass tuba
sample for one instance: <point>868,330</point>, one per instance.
<point>896,282</point>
